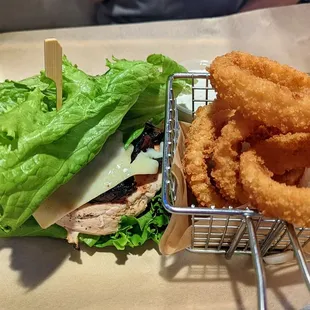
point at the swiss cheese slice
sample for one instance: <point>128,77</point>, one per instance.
<point>109,168</point>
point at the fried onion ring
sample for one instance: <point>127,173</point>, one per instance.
<point>226,158</point>
<point>220,114</point>
<point>273,199</point>
<point>199,146</point>
<point>263,90</point>
<point>291,177</point>
<point>282,153</point>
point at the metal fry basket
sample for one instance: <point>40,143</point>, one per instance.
<point>227,230</point>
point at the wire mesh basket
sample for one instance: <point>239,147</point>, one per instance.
<point>229,230</point>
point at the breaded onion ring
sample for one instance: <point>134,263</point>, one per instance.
<point>226,158</point>
<point>273,199</point>
<point>263,90</point>
<point>282,153</point>
<point>291,177</point>
<point>220,114</point>
<point>220,119</point>
<point>198,148</point>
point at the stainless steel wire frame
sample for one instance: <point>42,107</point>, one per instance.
<point>229,230</point>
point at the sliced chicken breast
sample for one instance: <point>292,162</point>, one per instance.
<point>103,219</point>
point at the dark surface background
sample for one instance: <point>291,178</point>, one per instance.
<point>16,15</point>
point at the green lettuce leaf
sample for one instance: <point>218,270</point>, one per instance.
<point>130,137</point>
<point>151,103</point>
<point>32,229</point>
<point>43,148</point>
<point>133,231</point>
<point>12,93</point>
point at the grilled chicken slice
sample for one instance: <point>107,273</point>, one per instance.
<point>104,218</point>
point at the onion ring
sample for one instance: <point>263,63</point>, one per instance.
<point>226,158</point>
<point>291,177</point>
<point>199,146</point>
<point>263,90</point>
<point>282,153</point>
<point>220,115</point>
<point>273,199</point>
<point>220,119</point>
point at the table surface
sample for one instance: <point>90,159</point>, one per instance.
<point>45,274</point>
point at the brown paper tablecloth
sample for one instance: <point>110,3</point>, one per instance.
<point>49,274</point>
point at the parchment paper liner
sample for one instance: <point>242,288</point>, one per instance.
<point>177,236</point>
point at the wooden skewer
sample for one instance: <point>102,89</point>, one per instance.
<point>53,66</point>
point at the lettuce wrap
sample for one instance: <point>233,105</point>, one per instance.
<point>41,149</point>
